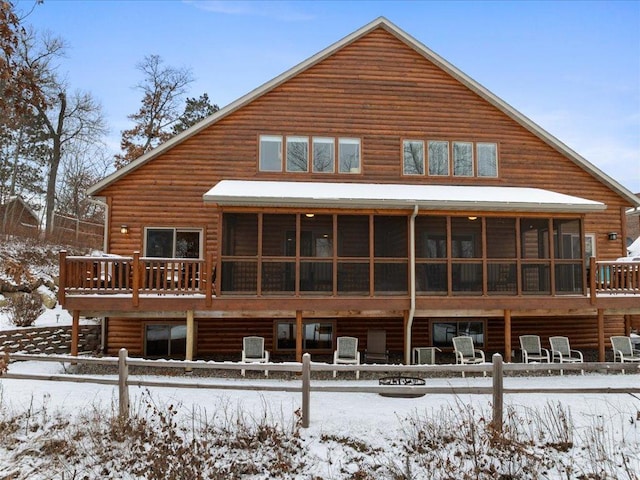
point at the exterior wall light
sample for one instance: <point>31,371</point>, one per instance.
<point>124,229</point>
<point>473,218</point>
<point>613,235</point>
<point>309,215</point>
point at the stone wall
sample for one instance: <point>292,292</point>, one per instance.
<point>53,340</point>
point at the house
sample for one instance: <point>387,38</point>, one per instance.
<point>18,218</point>
<point>372,186</point>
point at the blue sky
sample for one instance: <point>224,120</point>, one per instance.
<point>572,67</point>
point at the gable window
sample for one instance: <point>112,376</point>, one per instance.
<point>487,154</point>
<point>297,154</point>
<point>173,243</point>
<point>438,158</point>
<point>349,155</point>
<point>270,153</point>
<point>323,155</point>
<point>463,159</point>
<point>413,163</point>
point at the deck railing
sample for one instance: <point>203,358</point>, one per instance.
<point>134,275</point>
<point>138,275</point>
<point>614,278</point>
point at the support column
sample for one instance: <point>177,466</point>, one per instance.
<point>406,338</point>
<point>507,336</point>
<point>601,335</point>
<point>75,332</point>
<point>191,333</point>
<point>627,325</point>
<point>299,333</point>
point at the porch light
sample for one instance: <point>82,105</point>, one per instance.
<point>124,229</point>
<point>613,235</point>
<point>473,218</point>
<point>309,215</point>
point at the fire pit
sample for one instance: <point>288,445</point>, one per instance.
<point>401,380</point>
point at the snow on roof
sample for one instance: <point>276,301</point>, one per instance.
<point>634,248</point>
<point>394,196</point>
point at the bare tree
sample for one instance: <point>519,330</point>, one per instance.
<point>163,88</point>
<point>64,118</point>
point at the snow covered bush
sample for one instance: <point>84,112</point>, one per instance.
<point>24,309</point>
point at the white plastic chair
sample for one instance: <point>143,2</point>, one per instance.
<point>347,353</point>
<point>253,352</point>
<point>466,353</point>
<point>561,350</point>
<point>532,351</point>
<point>623,350</point>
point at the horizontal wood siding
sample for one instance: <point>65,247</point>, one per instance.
<point>376,89</point>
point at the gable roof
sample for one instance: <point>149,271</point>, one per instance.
<point>407,39</point>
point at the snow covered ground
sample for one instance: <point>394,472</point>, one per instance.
<point>363,418</point>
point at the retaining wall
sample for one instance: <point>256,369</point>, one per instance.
<point>52,340</point>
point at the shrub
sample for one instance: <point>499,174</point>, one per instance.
<point>24,309</point>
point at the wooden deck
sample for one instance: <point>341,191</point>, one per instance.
<point>144,285</point>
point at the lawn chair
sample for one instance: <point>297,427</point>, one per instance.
<point>466,353</point>
<point>253,352</point>
<point>532,351</point>
<point>561,350</point>
<point>376,347</point>
<point>347,353</point>
<point>623,350</point>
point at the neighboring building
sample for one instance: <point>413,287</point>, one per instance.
<point>18,218</point>
<point>374,185</point>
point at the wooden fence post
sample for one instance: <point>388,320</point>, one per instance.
<point>306,388</point>
<point>123,389</point>
<point>497,392</point>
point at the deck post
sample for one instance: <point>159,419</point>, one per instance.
<point>498,394</point>
<point>191,331</point>
<point>135,291</point>
<point>627,325</point>
<point>123,389</point>
<point>592,279</point>
<point>306,388</point>
<point>62,277</point>
<point>507,335</point>
<point>75,332</point>
<point>298,335</point>
<point>600,335</point>
<point>208,268</point>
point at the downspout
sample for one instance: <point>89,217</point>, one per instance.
<point>412,284</point>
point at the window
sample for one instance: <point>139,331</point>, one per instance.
<point>270,153</point>
<point>487,154</point>
<point>165,340</point>
<point>317,335</point>
<point>173,243</point>
<point>443,332</point>
<point>463,159</point>
<point>438,158</point>
<point>323,155</point>
<point>297,154</point>
<point>349,155</point>
<point>413,163</point>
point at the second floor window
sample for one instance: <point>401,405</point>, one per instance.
<point>349,155</point>
<point>297,154</point>
<point>413,161</point>
<point>270,153</point>
<point>463,159</point>
<point>438,158</point>
<point>323,155</point>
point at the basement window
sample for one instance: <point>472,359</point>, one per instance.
<point>165,340</point>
